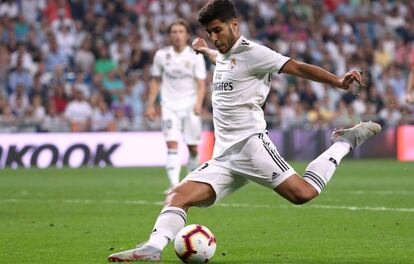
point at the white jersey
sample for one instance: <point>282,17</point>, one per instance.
<point>179,73</point>
<point>241,82</point>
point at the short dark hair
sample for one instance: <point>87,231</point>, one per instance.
<point>222,10</point>
<point>181,22</point>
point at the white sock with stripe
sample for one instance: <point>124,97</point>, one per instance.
<point>320,171</point>
<point>169,222</point>
<point>173,167</point>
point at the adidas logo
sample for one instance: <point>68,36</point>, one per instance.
<point>244,43</point>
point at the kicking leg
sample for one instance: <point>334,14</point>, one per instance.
<point>172,219</point>
<point>299,190</point>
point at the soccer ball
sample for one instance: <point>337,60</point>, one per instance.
<point>195,244</point>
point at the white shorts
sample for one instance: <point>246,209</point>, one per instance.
<point>253,159</point>
<point>184,123</point>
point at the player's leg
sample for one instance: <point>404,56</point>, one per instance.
<point>171,219</point>
<point>258,160</point>
<point>202,187</point>
<point>193,159</point>
<point>173,164</point>
<point>318,173</point>
<point>192,128</point>
<point>171,127</point>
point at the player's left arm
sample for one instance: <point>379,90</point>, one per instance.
<point>201,90</point>
<point>318,74</point>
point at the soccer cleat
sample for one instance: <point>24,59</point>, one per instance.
<point>140,253</point>
<point>356,135</point>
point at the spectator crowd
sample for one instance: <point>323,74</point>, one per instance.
<point>84,65</point>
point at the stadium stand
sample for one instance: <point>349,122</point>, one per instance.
<point>84,65</point>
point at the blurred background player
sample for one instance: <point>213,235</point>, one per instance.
<point>243,152</point>
<point>179,73</point>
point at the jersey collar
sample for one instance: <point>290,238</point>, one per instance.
<point>235,46</point>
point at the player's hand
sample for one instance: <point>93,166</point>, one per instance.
<point>198,109</point>
<point>199,45</point>
<point>409,98</point>
<point>150,113</point>
<point>349,78</point>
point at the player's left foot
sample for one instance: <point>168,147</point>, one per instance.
<point>356,135</point>
<point>141,253</point>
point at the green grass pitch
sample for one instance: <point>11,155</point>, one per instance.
<point>365,215</point>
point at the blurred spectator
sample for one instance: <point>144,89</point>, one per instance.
<point>24,55</point>
<point>4,68</point>
<point>65,39</point>
<point>19,76</point>
<point>78,112</point>
<point>39,89</point>
<point>19,101</point>
<point>31,9</point>
<point>54,56</point>
<point>59,98</point>
<point>9,8</point>
<point>81,85</point>
<point>84,57</point>
<point>104,63</point>
<point>113,84</point>
<point>390,115</point>
<point>102,118</point>
<point>39,112</point>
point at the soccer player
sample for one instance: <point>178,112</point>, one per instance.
<point>243,152</point>
<point>180,75</point>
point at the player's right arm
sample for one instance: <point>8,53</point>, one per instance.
<point>318,74</point>
<point>200,46</point>
<point>409,93</point>
<point>154,88</point>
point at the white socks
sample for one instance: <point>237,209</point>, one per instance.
<point>320,170</point>
<point>170,221</point>
<point>173,167</point>
<point>192,163</point>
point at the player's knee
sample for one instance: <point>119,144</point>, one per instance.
<point>178,199</point>
<point>193,150</point>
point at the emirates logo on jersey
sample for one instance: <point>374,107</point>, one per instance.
<point>232,64</point>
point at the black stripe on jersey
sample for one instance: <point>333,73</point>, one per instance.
<point>179,213</point>
<point>273,155</point>
<point>315,178</point>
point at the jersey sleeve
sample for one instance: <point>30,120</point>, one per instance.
<point>156,69</point>
<point>200,67</point>
<point>264,60</point>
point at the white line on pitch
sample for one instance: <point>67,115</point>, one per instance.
<point>234,205</point>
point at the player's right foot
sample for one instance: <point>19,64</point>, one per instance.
<point>141,253</point>
<point>356,135</point>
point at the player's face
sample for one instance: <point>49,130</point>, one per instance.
<point>178,36</point>
<point>223,34</point>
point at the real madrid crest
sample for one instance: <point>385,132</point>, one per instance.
<point>232,64</point>
<point>188,64</point>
